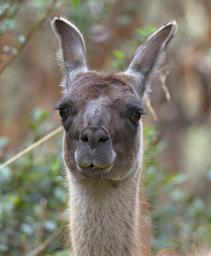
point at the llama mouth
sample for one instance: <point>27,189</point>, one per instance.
<point>94,172</point>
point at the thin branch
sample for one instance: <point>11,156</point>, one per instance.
<point>31,147</point>
<point>162,78</point>
<point>151,109</point>
<point>29,36</point>
<point>37,251</point>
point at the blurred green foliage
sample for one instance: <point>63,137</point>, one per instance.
<point>32,195</point>
<point>143,33</point>
<point>120,57</point>
<point>180,219</point>
<point>119,60</point>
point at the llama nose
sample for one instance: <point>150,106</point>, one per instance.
<point>94,135</point>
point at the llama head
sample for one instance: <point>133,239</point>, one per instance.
<point>101,113</point>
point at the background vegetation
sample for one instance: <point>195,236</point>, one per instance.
<point>33,194</point>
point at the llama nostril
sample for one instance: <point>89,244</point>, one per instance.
<point>84,138</point>
<point>94,135</point>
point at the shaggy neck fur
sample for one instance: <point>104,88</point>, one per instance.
<point>104,217</point>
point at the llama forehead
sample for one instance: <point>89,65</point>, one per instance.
<point>93,87</point>
<point>95,107</point>
<point>97,110</point>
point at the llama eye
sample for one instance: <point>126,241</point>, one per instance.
<point>64,113</point>
<point>135,117</point>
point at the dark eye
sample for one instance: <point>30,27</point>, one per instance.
<point>64,112</point>
<point>135,117</point>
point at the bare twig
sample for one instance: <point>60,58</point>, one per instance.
<point>31,147</point>
<point>151,109</point>
<point>29,36</point>
<point>37,251</point>
<point>162,78</point>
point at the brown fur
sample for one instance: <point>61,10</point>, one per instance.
<point>145,225</point>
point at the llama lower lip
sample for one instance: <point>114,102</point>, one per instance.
<point>93,171</point>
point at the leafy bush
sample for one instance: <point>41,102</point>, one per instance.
<point>180,220</point>
<point>32,195</point>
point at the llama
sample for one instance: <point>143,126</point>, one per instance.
<point>103,145</point>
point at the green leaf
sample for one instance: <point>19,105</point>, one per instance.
<point>3,142</point>
<point>120,55</point>
<point>50,225</point>
<point>39,115</point>
<point>3,248</point>
<point>143,33</point>
<point>75,3</point>
<point>27,228</point>
<point>21,38</point>
<point>5,175</point>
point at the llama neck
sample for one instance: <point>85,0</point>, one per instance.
<point>104,217</point>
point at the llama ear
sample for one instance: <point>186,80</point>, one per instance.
<point>149,56</point>
<point>72,47</point>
